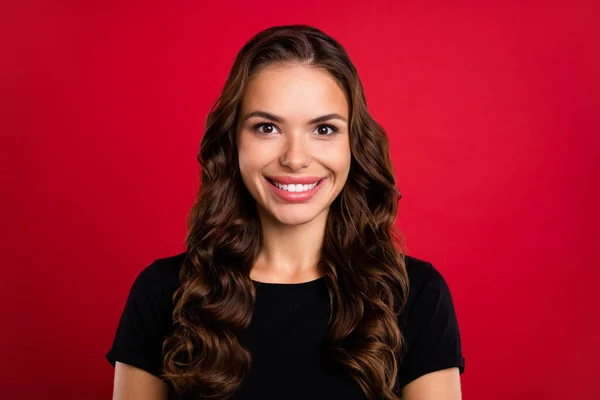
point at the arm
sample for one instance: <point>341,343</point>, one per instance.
<point>433,362</point>
<point>131,383</point>
<point>136,353</point>
<point>439,385</point>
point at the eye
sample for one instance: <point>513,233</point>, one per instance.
<point>324,132</point>
<point>268,128</point>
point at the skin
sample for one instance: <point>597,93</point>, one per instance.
<point>439,385</point>
<point>132,383</point>
<point>292,232</point>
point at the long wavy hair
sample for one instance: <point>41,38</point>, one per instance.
<point>362,253</point>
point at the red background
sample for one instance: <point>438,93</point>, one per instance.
<point>491,107</point>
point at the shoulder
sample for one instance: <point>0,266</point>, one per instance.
<point>160,278</point>
<point>422,273</point>
<point>428,323</point>
<point>427,285</point>
<point>153,288</point>
<point>147,316</point>
<point>166,268</point>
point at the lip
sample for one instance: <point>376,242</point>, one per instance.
<point>302,180</point>
<point>297,197</point>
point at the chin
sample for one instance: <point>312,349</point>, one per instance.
<point>301,220</point>
<point>292,218</point>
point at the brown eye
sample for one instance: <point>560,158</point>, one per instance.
<point>264,128</point>
<point>322,130</point>
<point>268,128</point>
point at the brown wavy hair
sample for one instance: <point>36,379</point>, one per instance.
<point>362,253</point>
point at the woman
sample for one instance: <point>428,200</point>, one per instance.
<point>294,284</point>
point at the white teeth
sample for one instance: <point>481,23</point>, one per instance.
<point>295,188</point>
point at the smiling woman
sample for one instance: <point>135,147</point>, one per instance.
<point>295,283</point>
<point>298,148</point>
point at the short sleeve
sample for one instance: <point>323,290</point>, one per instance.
<point>432,335</point>
<point>143,324</point>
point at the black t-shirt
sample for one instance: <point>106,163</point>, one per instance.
<point>287,330</point>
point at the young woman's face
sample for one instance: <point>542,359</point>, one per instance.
<point>293,142</point>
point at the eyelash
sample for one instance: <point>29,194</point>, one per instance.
<point>257,126</point>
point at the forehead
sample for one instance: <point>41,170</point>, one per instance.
<point>295,90</point>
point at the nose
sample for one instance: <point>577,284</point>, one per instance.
<point>296,153</point>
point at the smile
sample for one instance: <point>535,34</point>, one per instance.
<point>295,188</point>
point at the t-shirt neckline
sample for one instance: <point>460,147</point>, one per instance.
<point>290,287</point>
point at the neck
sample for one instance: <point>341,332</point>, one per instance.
<point>290,253</point>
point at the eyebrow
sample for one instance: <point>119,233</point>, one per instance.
<point>276,118</point>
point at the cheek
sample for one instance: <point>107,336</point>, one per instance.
<point>343,169</point>
<point>244,165</point>
<point>246,171</point>
<point>242,162</point>
<point>251,152</point>
<point>245,156</point>
<point>340,159</point>
<point>250,164</point>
